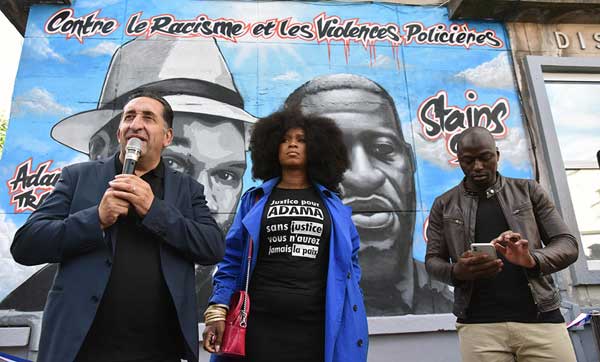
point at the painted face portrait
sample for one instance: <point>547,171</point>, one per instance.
<point>379,186</point>
<point>211,150</point>
<point>209,116</point>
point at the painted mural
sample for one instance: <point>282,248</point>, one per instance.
<point>401,81</point>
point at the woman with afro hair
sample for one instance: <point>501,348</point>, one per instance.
<point>306,303</point>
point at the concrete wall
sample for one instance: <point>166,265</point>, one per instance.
<point>560,41</point>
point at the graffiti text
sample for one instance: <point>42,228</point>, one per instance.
<point>202,25</point>
<point>28,188</point>
<point>330,28</point>
<point>63,22</point>
<point>439,120</point>
<point>456,35</point>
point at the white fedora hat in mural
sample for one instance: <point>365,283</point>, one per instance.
<point>190,73</point>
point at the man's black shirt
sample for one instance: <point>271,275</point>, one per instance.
<point>505,297</point>
<point>136,319</point>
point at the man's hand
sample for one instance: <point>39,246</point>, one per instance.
<point>134,190</point>
<point>471,266</point>
<point>213,336</point>
<point>514,249</point>
<point>110,208</point>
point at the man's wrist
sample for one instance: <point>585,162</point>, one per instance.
<point>102,225</point>
<point>152,200</point>
<point>453,278</point>
<point>532,262</point>
<point>534,271</point>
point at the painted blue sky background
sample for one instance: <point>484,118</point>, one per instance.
<point>59,77</point>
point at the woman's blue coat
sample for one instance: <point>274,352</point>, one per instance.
<point>346,332</point>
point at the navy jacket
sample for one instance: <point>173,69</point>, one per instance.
<point>346,331</point>
<point>65,229</point>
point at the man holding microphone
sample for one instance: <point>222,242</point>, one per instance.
<point>126,245</point>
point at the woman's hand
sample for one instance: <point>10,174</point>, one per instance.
<point>212,336</point>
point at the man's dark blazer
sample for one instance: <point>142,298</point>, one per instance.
<point>65,229</point>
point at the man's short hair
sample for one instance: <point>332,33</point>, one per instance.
<point>167,110</point>
<point>477,130</point>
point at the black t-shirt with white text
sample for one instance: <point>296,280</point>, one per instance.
<point>291,271</point>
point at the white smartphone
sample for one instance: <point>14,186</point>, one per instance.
<point>484,248</point>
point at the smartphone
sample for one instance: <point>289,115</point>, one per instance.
<point>484,248</point>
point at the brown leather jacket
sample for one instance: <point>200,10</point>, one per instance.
<point>528,211</point>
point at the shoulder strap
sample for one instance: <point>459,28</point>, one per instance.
<point>250,254</point>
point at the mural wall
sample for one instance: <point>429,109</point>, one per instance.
<point>401,81</point>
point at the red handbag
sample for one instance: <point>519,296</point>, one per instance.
<point>234,338</point>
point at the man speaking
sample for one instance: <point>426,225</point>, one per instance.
<point>126,247</point>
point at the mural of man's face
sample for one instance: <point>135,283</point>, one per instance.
<point>379,186</point>
<point>208,148</point>
<point>211,150</point>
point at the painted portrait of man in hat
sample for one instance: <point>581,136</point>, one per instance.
<point>209,123</point>
<point>209,128</point>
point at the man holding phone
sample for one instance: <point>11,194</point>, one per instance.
<point>507,307</point>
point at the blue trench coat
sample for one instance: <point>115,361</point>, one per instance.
<point>346,331</point>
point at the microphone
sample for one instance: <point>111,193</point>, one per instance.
<point>132,153</point>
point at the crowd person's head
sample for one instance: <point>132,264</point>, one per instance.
<point>478,157</point>
<point>326,157</point>
<point>149,118</point>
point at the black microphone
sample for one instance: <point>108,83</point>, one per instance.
<point>132,153</point>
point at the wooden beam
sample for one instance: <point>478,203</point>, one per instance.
<point>535,11</point>
<point>17,11</point>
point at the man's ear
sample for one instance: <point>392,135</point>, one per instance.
<point>497,154</point>
<point>119,129</point>
<point>168,137</point>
